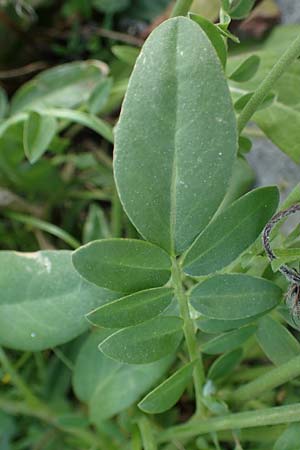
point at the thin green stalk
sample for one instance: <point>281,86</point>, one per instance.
<point>181,8</point>
<point>17,380</point>
<point>270,380</point>
<point>249,419</point>
<point>189,333</point>
<point>45,226</point>
<point>145,427</point>
<point>266,85</point>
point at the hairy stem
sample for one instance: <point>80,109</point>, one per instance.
<point>181,8</point>
<point>189,334</point>
<point>266,85</point>
<point>270,380</point>
<point>264,417</point>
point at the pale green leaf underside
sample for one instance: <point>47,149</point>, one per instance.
<point>43,300</point>
<point>176,139</point>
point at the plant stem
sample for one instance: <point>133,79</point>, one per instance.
<point>189,333</point>
<point>273,378</point>
<point>249,419</point>
<point>145,427</point>
<point>181,8</point>
<point>266,85</point>
<point>29,397</point>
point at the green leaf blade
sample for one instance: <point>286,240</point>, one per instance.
<point>231,232</point>
<point>144,343</point>
<point>132,309</point>
<point>43,300</point>
<point>123,265</point>
<point>164,396</point>
<point>165,164</point>
<point>276,341</point>
<point>234,297</point>
<point>39,129</point>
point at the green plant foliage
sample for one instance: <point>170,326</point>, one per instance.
<point>241,9</point>
<point>225,364</point>
<point>98,380</point>
<point>276,341</point>
<point>246,70</point>
<point>99,96</point>
<point>164,396</point>
<point>234,296</point>
<point>218,245</point>
<point>65,86</point>
<point>289,440</point>
<point>132,309</point>
<point>123,265</point>
<point>169,189</point>
<point>229,341</point>
<point>96,225</point>
<point>213,34</point>
<point>39,131</point>
<point>44,300</point>
<point>110,6</point>
<point>144,343</point>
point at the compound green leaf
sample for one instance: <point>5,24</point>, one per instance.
<point>224,365</point>
<point>39,129</point>
<point>236,296</point>
<point>123,265</point>
<point>176,140</point>
<point>109,386</point>
<point>242,9</point>
<point>43,300</point>
<point>231,232</point>
<point>276,341</point>
<point>146,342</point>
<point>164,396</point>
<point>132,309</point>
<point>229,341</point>
<point>65,86</point>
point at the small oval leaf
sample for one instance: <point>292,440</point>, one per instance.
<point>224,365</point>
<point>39,129</point>
<point>146,342</point>
<point>231,232</point>
<point>229,341</point>
<point>99,380</point>
<point>132,309</point>
<point>123,265</point>
<point>276,341</point>
<point>176,140</point>
<point>164,396</point>
<point>236,296</point>
<point>246,70</point>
